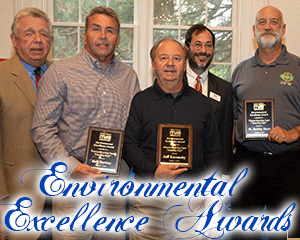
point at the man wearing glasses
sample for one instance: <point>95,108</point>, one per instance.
<point>200,41</point>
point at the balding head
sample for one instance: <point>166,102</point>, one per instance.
<point>269,10</point>
<point>269,27</point>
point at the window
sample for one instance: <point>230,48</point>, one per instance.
<point>172,18</point>
<point>143,22</point>
<point>69,20</point>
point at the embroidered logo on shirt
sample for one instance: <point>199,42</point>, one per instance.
<point>287,78</point>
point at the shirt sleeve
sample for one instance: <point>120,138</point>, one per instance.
<point>44,129</point>
<point>135,91</point>
<point>132,151</point>
<point>234,93</point>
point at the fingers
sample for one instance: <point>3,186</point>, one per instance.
<point>176,169</point>
<point>86,172</point>
<point>180,171</point>
<point>171,166</point>
<point>168,172</point>
<point>276,135</point>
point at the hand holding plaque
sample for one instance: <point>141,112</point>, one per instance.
<point>259,118</point>
<point>103,149</point>
<point>174,145</point>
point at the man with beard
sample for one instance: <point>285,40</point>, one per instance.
<point>273,73</point>
<point>200,42</point>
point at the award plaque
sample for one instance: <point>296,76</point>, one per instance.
<point>174,145</point>
<point>259,118</point>
<point>103,149</point>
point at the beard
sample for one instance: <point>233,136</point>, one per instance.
<point>268,39</point>
<point>199,66</point>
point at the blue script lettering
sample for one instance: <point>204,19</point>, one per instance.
<point>52,185</point>
<point>18,220</point>
<point>210,222</point>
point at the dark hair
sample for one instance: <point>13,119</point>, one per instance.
<point>156,45</point>
<point>103,10</point>
<point>197,28</point>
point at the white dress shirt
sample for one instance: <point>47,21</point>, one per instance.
<point>191,76</point>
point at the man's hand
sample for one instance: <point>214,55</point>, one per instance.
<point>279,135</point>
<point>168,172</point>
<point>86,172</point>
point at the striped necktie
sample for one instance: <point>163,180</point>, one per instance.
<point>198,85</point>
<point>37,73</point>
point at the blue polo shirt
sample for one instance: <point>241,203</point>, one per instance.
<point>279,80</point>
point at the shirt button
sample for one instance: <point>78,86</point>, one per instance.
<point>266,72</point>
<point>104,92</point>
<point>104,111</point>
<point>175,111</point>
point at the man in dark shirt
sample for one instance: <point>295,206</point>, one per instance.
<point>169,100</point>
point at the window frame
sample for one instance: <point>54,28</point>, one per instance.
<point>143,28</point>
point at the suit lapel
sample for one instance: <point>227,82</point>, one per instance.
<point>212,87</point>
<point>22,80</point>
<point>212,83</point>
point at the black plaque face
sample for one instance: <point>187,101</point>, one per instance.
<point>174,145</point>
<point>103,149</point>
<point>259,118</point>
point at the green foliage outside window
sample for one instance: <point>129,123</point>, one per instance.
<point>171,18</point>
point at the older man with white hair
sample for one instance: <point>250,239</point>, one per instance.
<point>31,35</point>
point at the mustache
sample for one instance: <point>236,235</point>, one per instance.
<point>202,54</point>
<point>268,32</point>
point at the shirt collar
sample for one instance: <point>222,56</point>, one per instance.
<point>30,68</point>
<point>193,75</point>
<point>159,93</point>
<point>281,60</point>
<point>95,64</point>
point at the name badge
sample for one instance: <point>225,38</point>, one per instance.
<point>215,96</point>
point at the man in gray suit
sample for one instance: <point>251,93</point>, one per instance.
<point>31,37</point>
<point>200,41</point>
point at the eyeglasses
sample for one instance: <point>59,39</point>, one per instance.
<point>199,45</point>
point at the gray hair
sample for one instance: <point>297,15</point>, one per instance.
<point>29,11</point>
<point>103,10</point>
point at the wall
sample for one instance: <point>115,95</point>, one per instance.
<point>6,18</point>
<point>290,10</point>
<point>246,15</point>
<point>248,10</point>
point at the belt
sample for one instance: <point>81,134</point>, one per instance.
<point>244,150</point>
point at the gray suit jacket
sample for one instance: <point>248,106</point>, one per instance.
<point>18,153</point>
